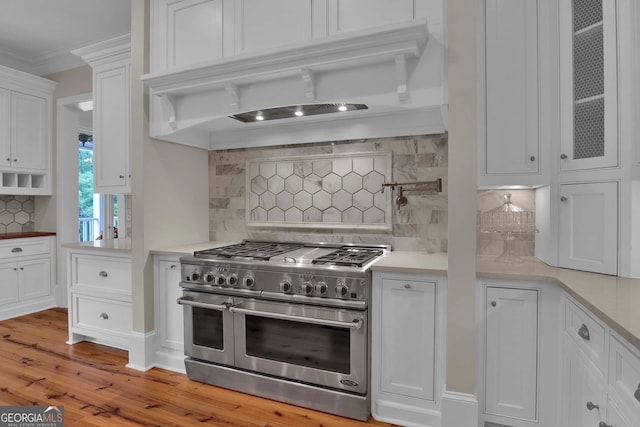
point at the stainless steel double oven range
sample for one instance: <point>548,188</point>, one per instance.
<point>283,320</point>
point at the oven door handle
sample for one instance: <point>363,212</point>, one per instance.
<point>192,303</point>
<point>355,324</point>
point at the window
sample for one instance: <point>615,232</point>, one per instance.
<point>98,213</point>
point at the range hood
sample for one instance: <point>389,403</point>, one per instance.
<point>395,71</point>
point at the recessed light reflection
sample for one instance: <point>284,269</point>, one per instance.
<point>299,113</point>
<point>259,117</point>
<point>342,108</point>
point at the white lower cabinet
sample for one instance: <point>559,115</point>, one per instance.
<point>596,394</point>
<point>26,276</point>
<point>406,361</point>
<point>518,358</point>
<point>583,392</point>
<point>168,314</point>
<point>512,347</point>
<point>100,297</point>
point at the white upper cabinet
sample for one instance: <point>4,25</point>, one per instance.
<point>111,63</point>
<point>25,133</point>
<point>513,56</point>
<point>588,221</point>
<point>588,85</point>
<point>189,32</point>
<point>29,131</point>
<point>111,121</point>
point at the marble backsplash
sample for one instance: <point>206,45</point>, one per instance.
<point>493,244</point>
<point>17,214</point>
<point>420,225</point>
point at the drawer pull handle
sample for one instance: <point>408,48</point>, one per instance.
<point>591,406</point>
<point>584,332</point>
<point>173,266</point>
<point>16,250</point>
<point>636,394</point>
<point>603,424</point>
<point>104,316</point>
<point>103,274</point>
<point>407,286</point>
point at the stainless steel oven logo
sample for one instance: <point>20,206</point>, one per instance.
<point>31,416</point>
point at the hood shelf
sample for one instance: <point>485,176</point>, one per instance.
<point>382,68</point>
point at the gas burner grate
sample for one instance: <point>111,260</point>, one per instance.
<point>348,257</point>
<point>252,250</point>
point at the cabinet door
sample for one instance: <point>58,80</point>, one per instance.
<point>511,386</point>
<point>5,128</point>
<point>8,283</point>
<point>615,416</point>
<point>35,278</point>
<point>511,91</point>
<point>582,385</point>
<point>170,316</point>
<point>407,337</point>
<point>112,133</point>
<point>588,85</point>
<point>588,221</point>
<point>353,15</point>
<point>28,131</point>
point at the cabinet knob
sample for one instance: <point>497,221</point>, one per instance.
<point>8,159</point>
<point>636,394</point>
<point>21,268</point>
<point>563,156</point>
<point>591,406</point>
<point>532,158</point>
<point>563,199</point>
<point>493,303</point>
<point>121,176</point>
<point>407,286</point>
<point>16,250</point>
<point>15,160</point>
<point>603,424</point>
<point>583,332</point>
<point>103,274</point>
<point>104,316</point>
<point>173,266</point>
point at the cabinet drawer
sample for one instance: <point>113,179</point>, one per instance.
<point>110,274</point>
<point>102,315</point>
<point>624,374</point>
<point>587,333</point>
<point>24,247</point>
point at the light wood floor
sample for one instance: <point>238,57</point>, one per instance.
<point>96,389</point>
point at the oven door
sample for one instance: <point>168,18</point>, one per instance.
<point>317,345</point>
<point>208,327</point>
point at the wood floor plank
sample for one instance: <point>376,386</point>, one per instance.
<point>95,387</point>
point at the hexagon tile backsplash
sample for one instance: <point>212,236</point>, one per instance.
<point>16,214</point>
<point>336,173</point>
<point>337,191</point>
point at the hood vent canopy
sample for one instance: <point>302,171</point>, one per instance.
<point>392,75</point>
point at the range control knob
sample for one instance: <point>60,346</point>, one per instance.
<point>248,281</point>
<point>222,280</point>
<point>342,291</point>
<point>209,277</point>
<point>321,288</point>
<point>306,288</point>
<point>285,286</point>
<point>232,279</point>
<point>195,276</point>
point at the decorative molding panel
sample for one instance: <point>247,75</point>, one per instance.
<point>321,191</point>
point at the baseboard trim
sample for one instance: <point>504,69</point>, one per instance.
<point>459,409</point>
<point>142,350</point>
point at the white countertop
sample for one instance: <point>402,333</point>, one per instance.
<point>412,262</point>
<point>189,249</point>
<point>115,245</point>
